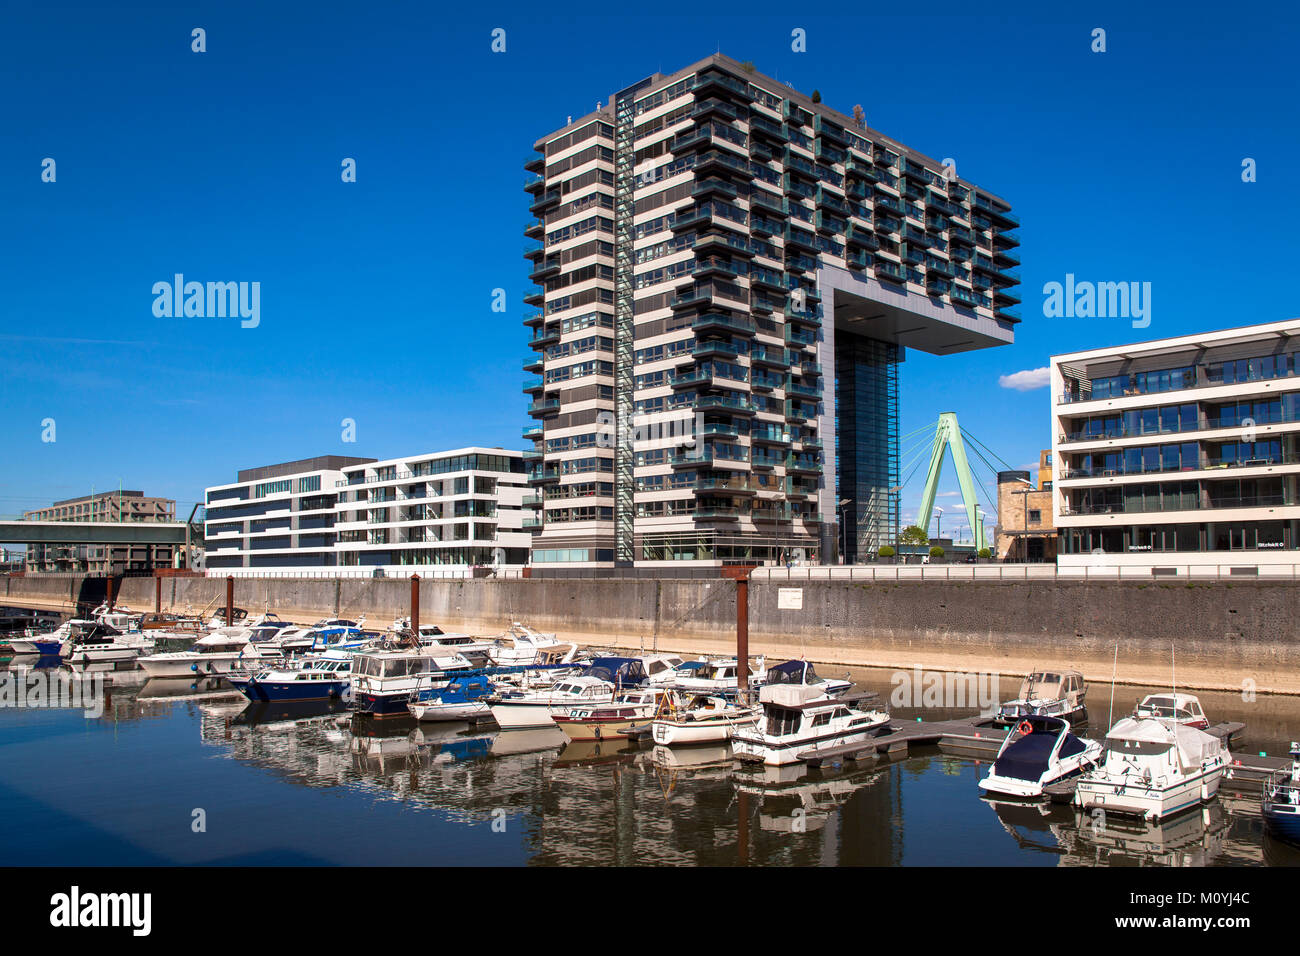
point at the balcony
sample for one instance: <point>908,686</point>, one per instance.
<point>721,322</point>
<point>543,408</point>
<point>713,187</point>
<point>546,200</point>
<point>890,271</point>
<point>532,432</point>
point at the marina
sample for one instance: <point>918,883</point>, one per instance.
<point>591,760</point>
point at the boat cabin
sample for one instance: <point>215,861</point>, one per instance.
<point>1183,708</point>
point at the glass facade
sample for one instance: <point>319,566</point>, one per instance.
<point>867,466</point>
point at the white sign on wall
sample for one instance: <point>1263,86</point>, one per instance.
<point>789,599</point>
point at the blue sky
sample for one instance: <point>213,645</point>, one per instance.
<point>376,295</point>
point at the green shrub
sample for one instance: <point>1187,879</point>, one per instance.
<point>936,552</point>
<point>886,551</point>
<point>985,553</point>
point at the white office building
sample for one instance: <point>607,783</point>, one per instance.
<point>437,514</point>
<point>1179,456</point>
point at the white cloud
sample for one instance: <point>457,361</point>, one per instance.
<point>1026,380</point>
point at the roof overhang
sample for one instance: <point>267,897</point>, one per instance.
<point>865,306</point>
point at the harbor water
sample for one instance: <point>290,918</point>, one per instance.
<point>181,772</point>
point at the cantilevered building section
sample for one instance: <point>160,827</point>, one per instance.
<point>723,258</point>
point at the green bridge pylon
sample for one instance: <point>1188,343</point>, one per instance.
<point>948,435</point>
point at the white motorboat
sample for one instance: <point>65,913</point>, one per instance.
<point>102,643</point>
<point>661,668</point>
<point>1153,769</point>
<point>802,673</point>
<point>224,651</point>
<point>515,709</point>
<point>1036,752</point>
<point>608,721</point>
<point>1047,694</point>
<point>1181,708</point>
<point>699,719</point>
<point>713,676</point>
<point>385,678</point>
<point>798,719</point>
<point>520,644</point>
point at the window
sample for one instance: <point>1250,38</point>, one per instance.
<point>1035,516</point>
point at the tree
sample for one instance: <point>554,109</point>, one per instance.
<point>886,551</point>
<point>936,552</point>
<point>914,535</point>
<point>985,553</point>
<point>748,66</point>
<point>860,116</point>
<point>817,96</point>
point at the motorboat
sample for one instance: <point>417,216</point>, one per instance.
<point>1153,769</point>
<point>1280,804</point>
<point>464,698</point>
<point>47,643</point>
<point>607,721</point>
<point>661,668</point>
<point>328,677</point>
<point>699,719</point>
<point>1038,751</point>
<point>102,643</point>
<point>385,677</point>
<point>798,719</point>
<point>1182,708</point>
<point>224,651</point>
<point>803,674</point>
<point>714,676</point>
<point>1047,693</point>
<point>120,617</point>
<point>521,644</point>
<point>519,709</point>
<point>622,672</point>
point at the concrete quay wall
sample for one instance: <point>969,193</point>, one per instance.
<point>1222,635</point>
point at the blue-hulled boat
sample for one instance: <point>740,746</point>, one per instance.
<point>1281,800</point>
<point>328,677</point>
<point>462,699</point>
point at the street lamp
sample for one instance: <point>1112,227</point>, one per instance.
<point>938,518</point>
<point>844,536</point>
<point>1024,508</point>
<point>978,531</point>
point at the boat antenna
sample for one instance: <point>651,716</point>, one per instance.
<point>1173,677</point>
<point>1114,667</point>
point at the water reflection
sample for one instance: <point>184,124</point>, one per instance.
<point>611,802</point>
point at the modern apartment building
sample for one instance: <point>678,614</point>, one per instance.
<point>443,512</point>
<point>724,259</point>
<point>1180,452</point>
<point>116,506</point>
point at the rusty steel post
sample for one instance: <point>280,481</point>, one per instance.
<point>415,608</point>
<point>109,602</point>
<point>157,594</point>
<point>742,636</point>
<point>230,600</point>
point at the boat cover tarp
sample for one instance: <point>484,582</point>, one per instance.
<point>788,695</point>
<point>1026,759</point>
<point>1194,746</point>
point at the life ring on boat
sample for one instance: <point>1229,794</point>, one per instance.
<point>1025,728</point>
